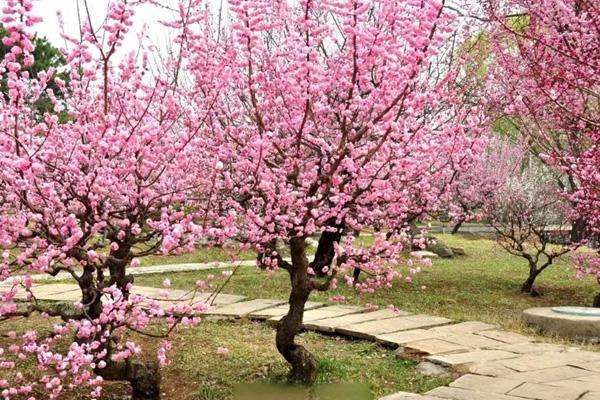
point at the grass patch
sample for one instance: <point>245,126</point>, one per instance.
<point>484,285</point>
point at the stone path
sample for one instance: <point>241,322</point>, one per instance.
<point>150,269</point>
<point>496,364</point>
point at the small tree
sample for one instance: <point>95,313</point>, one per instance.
<point>588,265</point>
<point>472,188</point>
<point>121,168</point>
<point>335,117</point>
<point>547,87</point>
<point>526,212</point>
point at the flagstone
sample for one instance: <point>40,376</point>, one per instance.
<point>242,309</point>
<point>431,346</point>
<point>590,396</point>
<point>471,340</point>
<point>489,368</point>
<point>403,337</point>
<point>540,391</point>
<point>591,385</point>
<point>281,310</point>
<point>464,327</point>
<point>408,396</point>
<point>329,324</point>
<point>527,348</point>
<point>460,359</point>
<point>486,383</point>
<point>550,374</point>
<point>331,312</point>
<point>371,329</point>
<point>505,336</point>
<point>532,362</point>
<point>456,393</point>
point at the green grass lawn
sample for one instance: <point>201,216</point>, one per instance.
<point>483,285</point>
<point>197,372</point>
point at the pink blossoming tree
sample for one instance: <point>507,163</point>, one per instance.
<point>547,76</point>
<point>122,168</point>
<point>336,117</point>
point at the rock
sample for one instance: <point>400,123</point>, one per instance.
<point>430,369</point>
<point>423,254</point>
<point>441,249</point>
<point>458,251</point>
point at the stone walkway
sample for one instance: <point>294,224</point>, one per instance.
<point>150,269</point>
<point>496,364</point>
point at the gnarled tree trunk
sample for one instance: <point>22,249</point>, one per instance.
<point>143,377</point>
<point>528,285</point>
<point>303,363</point>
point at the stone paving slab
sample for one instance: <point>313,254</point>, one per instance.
<point>529,348</point>
<point>592,385</point>
<point>244,308</point>
<point>396,339</point>
<point>331,312</point>
<point>532,362</point>
<point>329,324</point>
<point>486,383</point>
<point>409,396</point>
<point>590,396</point>
<point>463,327</point>
<point>489,368</point>
<point>220,299</point>
<point>505,336</point>
<point>454,393</point>
<point>281,310</point>
<point>460,359</point>
<point>371,329</point>
<point>431,346</point>
<point>472,341</point>
<point>550,374</point>
<point>588,365</point>
<point>540,391</point>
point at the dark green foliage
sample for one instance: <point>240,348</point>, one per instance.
<point>46,56</point>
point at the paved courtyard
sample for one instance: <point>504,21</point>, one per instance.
<point>495,364</point>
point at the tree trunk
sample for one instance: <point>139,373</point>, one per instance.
<point>304,365</point>
<point>457,226</point>
<point>143,377</point>
<point>527,286</point>
<point>596,301</point>
<point>578,230</point>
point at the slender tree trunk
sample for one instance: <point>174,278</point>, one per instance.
<point>596,301</point>
<point>578,230</point>
<point>457,226</point>
<point>528,285</point>
<point>304,365</point>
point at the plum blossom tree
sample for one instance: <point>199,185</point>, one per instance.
<point>526,212</point>
<point>123,168</point>
<point>472,188</point>
<point>334,119</point>
<point>546,77</point>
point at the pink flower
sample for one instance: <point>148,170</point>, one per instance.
<point>222,351</point>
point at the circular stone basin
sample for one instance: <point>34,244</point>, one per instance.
<point>581,311</point>
<point>581,323</point>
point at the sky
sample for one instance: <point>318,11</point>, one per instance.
<point>145,14</point>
